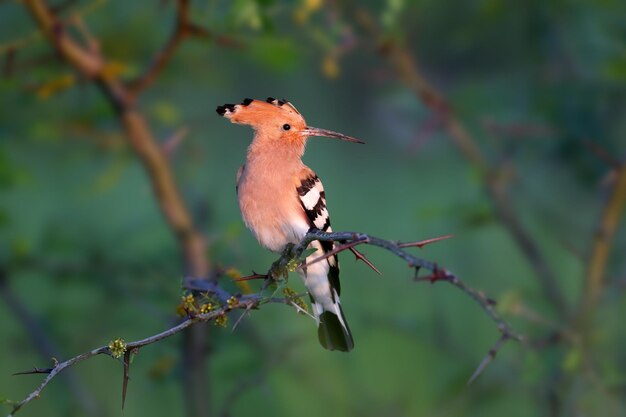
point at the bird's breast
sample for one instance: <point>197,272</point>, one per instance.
<point>270,207</point>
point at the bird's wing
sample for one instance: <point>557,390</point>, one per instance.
<point>313,202</point>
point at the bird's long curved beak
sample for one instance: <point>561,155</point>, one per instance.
<point>314,131</point>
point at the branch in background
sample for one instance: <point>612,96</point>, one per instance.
<point>90,62</point>
<point>183,29</point>
<point>409,72</point>
<point>253,301</point>
<point>92,65</point>
<point>602,243</point>
<point>132,347</point>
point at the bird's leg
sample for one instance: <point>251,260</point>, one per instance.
<point>280,268</point>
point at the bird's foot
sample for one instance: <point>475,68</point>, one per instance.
<point>281,268</point>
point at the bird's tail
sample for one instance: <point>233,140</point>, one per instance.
<point>322,280</point>
<point>333,330</point>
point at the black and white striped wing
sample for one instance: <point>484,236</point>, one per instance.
<point>313,201</point>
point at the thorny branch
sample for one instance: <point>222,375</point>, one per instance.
<point>248,302</point>
<point>44,345</point>
<point>408,70</point>
<point>133,346</point>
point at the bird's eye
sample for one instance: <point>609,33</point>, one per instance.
<point>286,126</point>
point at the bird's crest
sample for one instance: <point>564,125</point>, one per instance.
<point>256,108</point>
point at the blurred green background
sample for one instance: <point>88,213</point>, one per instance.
<point>84,249</point>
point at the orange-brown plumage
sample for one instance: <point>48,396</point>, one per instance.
<point>281,199</point>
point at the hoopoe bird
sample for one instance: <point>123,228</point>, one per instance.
<point>281,199</point>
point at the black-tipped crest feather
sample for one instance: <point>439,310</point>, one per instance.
<point>221,110</point>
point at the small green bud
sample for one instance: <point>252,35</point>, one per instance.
<point>117,348</point>
<point>292,265</point>
<point>232,302</point>
<point>221,320</point>
<point>206,308</point>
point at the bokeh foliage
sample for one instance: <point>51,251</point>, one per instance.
<point>541,85</point>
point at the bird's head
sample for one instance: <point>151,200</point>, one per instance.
<point>276,121</point>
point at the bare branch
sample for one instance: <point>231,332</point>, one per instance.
<point>249,302</point>
<point>61,366</point>
<point>44,345</point>
<point>163,57</point>
<point>246,303</point>
<point>408,70</point>
<point>53,373</point>
<point>334,251</point>
<point>603,239</point>
<point>183,29</point>
<point>91,64</point>
<point>439,274</point>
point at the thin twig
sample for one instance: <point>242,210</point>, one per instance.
<point>45,346</point>
<point>491,355</point>
<point>130,347</point>
<point>421,243</point>
<point>54,372</point>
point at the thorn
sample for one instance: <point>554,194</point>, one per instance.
<point>491,355</point>
<point>301,310</point>
<point>335,251</point>
<point>437,275</point>
<point>35,371</point>
<point>248,307</point>
<point>417,272</point>
<point>126,375</point>
<point>420,244</point>
<point>251,277</point>
<point>360,256</point>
